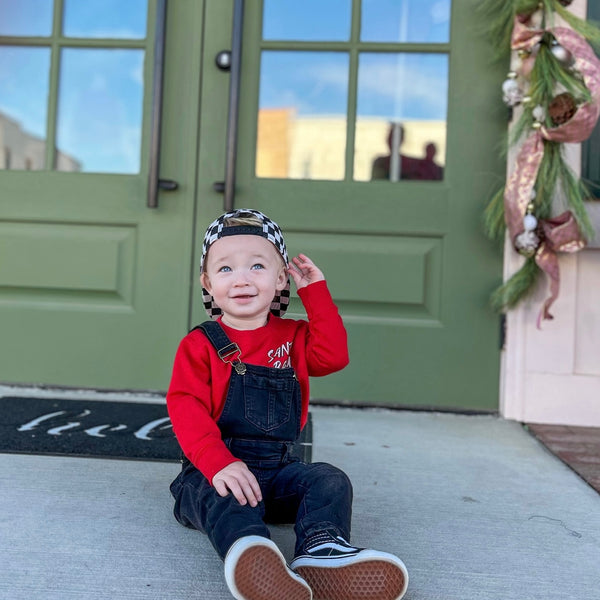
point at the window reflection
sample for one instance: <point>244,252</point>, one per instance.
<point>100,109</point>
<point>302,115</point>
<point>405,21</point>
<point>24,83</point>
<point>26,17</point>
<point>105,19</point>
<point>401,116</point>
<point>309,20</point>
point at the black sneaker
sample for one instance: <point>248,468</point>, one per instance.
<point>335,570</point>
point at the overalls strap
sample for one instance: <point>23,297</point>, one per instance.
<point>228,351</point>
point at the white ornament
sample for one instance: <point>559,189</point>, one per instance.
<point>527,243</point>
<point>529,222</point>
<point>561,54</point>
<point>539,114</point>
<point>533,193</point>
<point>512,94</point>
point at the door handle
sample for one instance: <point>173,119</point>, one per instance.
<point>154,182</point>
<point>227,187</point>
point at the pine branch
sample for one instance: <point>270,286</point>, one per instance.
<point>519,286</point>
<point>498,18</point>
<point>547,179</point>
<point>576,193</point>
<point>587,29</point>
<point>493,217</point>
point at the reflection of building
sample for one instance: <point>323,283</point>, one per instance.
<point>313,147</point>
<point>20,150</point>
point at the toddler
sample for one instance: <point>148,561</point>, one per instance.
<point>238,400</point>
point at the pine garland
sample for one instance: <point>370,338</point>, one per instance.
<point>517,287</point>
<point>499,16</point>
<point>548,78</point>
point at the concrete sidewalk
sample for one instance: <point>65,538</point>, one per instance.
<point>475,507</point>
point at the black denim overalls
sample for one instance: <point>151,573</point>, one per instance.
<point>259,424</point>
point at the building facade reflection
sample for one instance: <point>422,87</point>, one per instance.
<point>292,146</point>
<point>22,151</point>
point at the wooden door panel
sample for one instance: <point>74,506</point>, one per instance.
<point>406,261</point>
<point>94,286</point>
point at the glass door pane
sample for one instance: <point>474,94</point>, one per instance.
<point>401,116</point>
<point>30,18</point>
<point>302,115</point>
<point>99,126</point>
<point>24,90</point>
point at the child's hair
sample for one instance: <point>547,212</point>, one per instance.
<point>247,219</point>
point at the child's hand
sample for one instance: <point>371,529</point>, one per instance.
<point>240,481</point>
<point>304,271</point>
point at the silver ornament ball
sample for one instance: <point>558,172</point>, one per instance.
<point>530,222</point>
<point>561,54</point>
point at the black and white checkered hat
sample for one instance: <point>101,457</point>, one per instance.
<point>269,230</point>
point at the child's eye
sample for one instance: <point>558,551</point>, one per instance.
<point>258,266</point>
<point>225,269</point>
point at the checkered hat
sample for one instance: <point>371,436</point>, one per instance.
<point>269,230</point>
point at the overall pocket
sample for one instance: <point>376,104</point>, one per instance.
<point>269,400</point>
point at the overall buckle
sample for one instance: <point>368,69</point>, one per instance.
<point>229,351</point>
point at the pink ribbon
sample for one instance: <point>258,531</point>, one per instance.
<point>560,234</point>
<point>581,125</point>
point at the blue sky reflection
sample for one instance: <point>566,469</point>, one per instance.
<point>315,83</point>
<point>26,17</point>
<point>426,21</point>
<point>24,83</point>
<point>100,108</point>
<point>308,20</point>
<point>402,86</point>
<point>105,18</point>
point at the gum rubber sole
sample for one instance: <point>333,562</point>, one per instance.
<point>260,574</point>
<point>364,580</point>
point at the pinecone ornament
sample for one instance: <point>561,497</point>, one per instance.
<point>562,108</point>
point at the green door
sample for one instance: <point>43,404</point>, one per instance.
<point>369,130</point>
<point>94,285</point>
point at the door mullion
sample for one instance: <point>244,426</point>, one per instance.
<point>352,90</point>
<point>53,89</point>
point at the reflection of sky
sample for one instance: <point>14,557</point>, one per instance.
<point>390,85</point>
<point>26,17</point>
<point>381,20</point>
<point>403,86</point>
<point>307,20</point>
<point>405,21</point>
<point>105,18</point>
<point>24,80</point>
<point>100,108</point>
<point>100,93</point>
<point>311,82</point>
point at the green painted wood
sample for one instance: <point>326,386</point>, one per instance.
<point>94,286</point>
<point>407,262</point>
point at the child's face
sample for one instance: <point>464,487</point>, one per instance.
<point>243,273</point>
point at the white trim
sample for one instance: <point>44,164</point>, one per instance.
<point>539,379</point>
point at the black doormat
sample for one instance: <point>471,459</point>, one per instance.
<point>87,428</point>
<point>99,428</point>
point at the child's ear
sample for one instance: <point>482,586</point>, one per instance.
<point>205,281</point>
<point>282,279</point>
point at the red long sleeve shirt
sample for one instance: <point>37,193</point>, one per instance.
<point>200,379</point>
